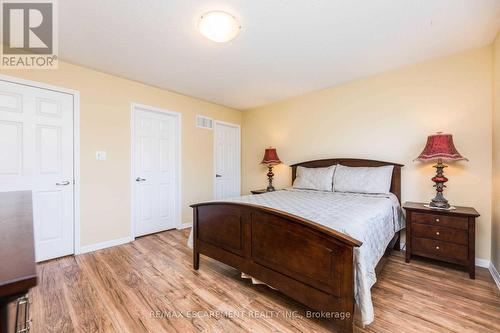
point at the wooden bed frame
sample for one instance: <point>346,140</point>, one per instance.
<point>304,260</point>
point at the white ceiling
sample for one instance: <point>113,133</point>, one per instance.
<point>286,47</point>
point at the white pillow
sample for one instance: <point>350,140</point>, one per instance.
<point>319,179</point>
<point>363,179</point>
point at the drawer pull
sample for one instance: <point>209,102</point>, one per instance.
<point>437,247</point>
<point>437,220</point>
<point>23,321</point>
<point>437,233</point>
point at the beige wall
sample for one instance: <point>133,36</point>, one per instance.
<point>105,125</point>
<point>388,117</point>
<point>495,227</point>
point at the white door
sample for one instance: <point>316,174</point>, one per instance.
<point>36,153</point>
<point>156,170</point>
<point>227,160</point>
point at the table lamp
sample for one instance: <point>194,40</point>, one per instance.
<point>440,147</point>
<point>270,159</point>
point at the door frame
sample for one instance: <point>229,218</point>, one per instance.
<point>133,108</point>
<point>76,147</point>
<point>216,122</point>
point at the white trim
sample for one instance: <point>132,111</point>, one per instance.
<point>239,153</point>
<point>76,147</point>
<point>185,226</point>
<point>482,263</point>
<point>133,107</point>
<point>104,245</point>
<point>494,274</point>
<point>40,85</point>
<point>76,171</point>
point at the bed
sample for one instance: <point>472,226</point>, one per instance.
<point>294,241</point>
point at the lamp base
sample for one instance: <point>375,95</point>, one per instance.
<point>270,175</point>
<point>439,201</point>
<point>445,209</point>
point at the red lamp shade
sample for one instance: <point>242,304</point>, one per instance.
<point>271,157</point>
<point>440,146</point>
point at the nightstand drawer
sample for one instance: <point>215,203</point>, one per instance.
<point>439,250</point>
<point>452,235</point>
<point>440,220</point>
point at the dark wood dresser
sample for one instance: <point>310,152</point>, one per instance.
<point>446,235</point>
<point>17,260</point>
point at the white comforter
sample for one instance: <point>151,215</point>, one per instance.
<point>372,219</point>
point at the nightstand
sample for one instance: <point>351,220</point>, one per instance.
<point>259,191</point>
<point>446,235</point>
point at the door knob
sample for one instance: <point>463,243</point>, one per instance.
<point>65,183</point>
<point>139,179</point>
<point>218,176</point>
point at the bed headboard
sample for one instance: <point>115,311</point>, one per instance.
<point>353,162</point>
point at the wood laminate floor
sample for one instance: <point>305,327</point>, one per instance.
<point>119,289</point>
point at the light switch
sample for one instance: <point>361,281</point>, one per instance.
<point>100,155</point>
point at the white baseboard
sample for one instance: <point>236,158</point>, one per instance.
<point>482,263</point>
<point>494,274</point>
<point>185,226</point>
<point>104,245</point>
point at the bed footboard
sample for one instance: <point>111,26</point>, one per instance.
<point>304,260</point>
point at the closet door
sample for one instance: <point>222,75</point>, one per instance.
<point>227,160</point>
<point>36,153</point>
<point>156,166</point>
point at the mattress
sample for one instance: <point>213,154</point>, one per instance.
<point>370,218</point>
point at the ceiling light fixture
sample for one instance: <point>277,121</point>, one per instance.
<point>219,26</point>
